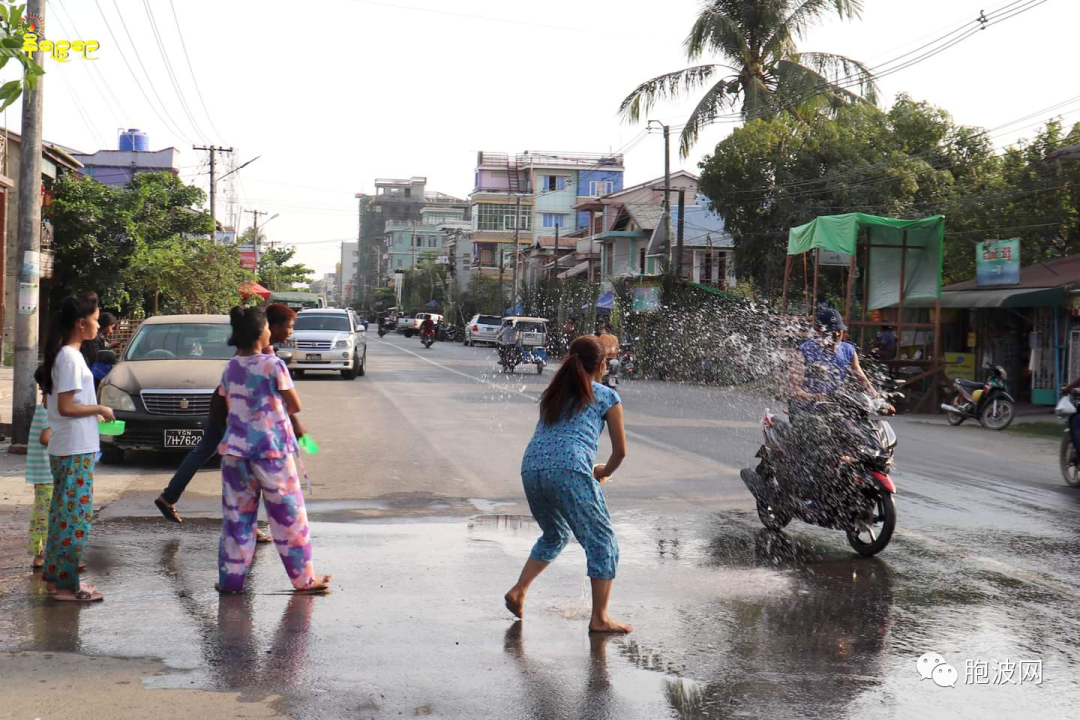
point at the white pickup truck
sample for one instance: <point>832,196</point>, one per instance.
<point>411,325</point>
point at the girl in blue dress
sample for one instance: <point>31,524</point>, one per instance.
<point>563,486</point>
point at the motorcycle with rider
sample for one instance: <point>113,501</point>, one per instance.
<point>830,465</point>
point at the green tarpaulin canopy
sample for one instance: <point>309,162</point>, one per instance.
<point>924,240</point>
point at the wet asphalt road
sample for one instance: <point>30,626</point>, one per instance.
<point>730,621</point>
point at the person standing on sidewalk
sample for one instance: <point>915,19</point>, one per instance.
<point>73,446</point>
<point>563,486</point>
<point>281,319</point>
<point>257,457</point>
<point>39,474</point>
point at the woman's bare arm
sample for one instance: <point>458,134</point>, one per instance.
<point>617,432</point>
<point>292,401</point>
<point>67,407</point>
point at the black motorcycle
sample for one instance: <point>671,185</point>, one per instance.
<point>387,325</point>
<point>847,489</point>
<point>988,402</point>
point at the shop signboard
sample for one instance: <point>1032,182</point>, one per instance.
<point>960,365</point>
<point>997,262</point>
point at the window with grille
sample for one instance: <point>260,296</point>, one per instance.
<point>490,216</point>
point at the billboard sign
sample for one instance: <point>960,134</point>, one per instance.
<point>997,262</point>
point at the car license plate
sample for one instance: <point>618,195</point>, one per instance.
<point>314,357</point>
<point>182,438</point>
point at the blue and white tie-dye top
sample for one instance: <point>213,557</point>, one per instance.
<point>571,443</point>
<point>259,425</point>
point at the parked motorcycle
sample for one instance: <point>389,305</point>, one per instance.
<point>1068,458</point>
<point>854,493</point>
<point>990,402</point>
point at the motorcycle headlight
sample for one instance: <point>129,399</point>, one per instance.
<point>116,399</point>
<point>347,343</point>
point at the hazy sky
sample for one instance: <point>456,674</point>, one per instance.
<point>394,88</point>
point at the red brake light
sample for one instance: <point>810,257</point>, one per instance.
<point>476,328</point>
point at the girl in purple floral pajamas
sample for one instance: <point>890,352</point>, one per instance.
<point>257,457</point>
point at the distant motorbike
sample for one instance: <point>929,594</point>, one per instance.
<point>1070,462</point>
<point>988,402</point>
<point>854,495</point>
<point>427,339</point>
<point>611,374</point>
<point>627,361</point>
<point>387,325</point>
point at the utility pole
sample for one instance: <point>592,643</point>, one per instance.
<point>679,233</point>
<point>502,282</point>
<point>24,391</point>
<point>213,150</point>
<point>558,282</point>
<point>666,217</point>
<point>254,223</point>
<point>517,226</point>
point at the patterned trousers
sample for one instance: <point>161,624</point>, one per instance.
<point>564,502</point>
<point>242,481</point>
<point>71,512</point>
<point>39,519</point>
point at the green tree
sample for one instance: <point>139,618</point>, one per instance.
<point>277,273</point>
<point>762,67</point>
<point>911,161</point>
<point>104,235</point>
<point>13,29</point>
<point>197,275</point>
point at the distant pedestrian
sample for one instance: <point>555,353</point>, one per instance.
<point>39,475</point>
<point>73,446</point>
<point>562,484</point>
<point>257,458</point>
<point>281,319</point>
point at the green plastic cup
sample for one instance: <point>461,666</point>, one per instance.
<point>116,427</point>
<point>308,444</point>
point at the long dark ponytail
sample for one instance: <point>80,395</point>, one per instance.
<point>570,390</point>
<point>73,309</point>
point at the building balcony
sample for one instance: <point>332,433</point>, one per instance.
<point>547,159</point>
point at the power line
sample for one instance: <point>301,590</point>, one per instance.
<point>88,65</point>
<point>191,69</point>
<point>169,70</point>
<point>164,118</point>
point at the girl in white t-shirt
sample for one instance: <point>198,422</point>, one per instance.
<point>73,446</point>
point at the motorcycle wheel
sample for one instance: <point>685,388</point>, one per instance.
<point>772,518</point>
<point>539,368</point>
<point>997,420</point>
<point>955,418</point>
<point>885,514</point>
<point>1069,470</point>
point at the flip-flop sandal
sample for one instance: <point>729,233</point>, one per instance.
<point>263,537</point>
<point>35,566</point>
<point>80,595</point>
<point>168,511</point>
<point>217,586</point>
<point>325,590</point>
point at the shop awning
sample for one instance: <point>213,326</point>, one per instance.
<point>999,298</point>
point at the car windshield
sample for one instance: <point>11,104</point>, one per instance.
<point>489,320</point>
<point>338,323</point>
<point>530,326</point>
<point>188,341</point>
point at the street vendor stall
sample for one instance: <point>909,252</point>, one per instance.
<point>889,263</point>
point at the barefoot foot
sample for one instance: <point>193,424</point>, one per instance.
<point>607,625</point>
<point>515,602</point>
<point>39,562</point>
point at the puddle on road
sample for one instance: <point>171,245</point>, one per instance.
<point>730,620</point>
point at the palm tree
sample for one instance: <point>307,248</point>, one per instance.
<point>764,67</point>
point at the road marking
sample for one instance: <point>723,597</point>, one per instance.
<point>658,444</point>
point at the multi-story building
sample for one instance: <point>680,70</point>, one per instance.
<point>350,257</point>
<point>118,167</point>
<point>330,282</point>
<point>401,221</point>
<point>628,233</point>
<point>526,197</point>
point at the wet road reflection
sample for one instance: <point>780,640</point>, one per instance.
<point>732,621</point>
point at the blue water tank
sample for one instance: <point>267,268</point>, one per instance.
<point>134,139</point>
